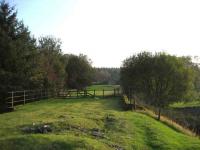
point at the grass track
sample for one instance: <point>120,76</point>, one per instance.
<point>122,129</point>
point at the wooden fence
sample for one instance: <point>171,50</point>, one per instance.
<point>88,93</point>
<point>22,97</point>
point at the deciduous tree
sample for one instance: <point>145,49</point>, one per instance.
<point>161,79</point>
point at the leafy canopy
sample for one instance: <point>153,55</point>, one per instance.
<point>157,79</point>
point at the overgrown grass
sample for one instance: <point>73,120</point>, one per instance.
<point>74,121</point>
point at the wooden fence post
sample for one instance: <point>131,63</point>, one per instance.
<point>41,94</point>
<point>35,95</point>
<point>129,95</point>
<point>12,99</point>
<point>46,94</point>
<point>103,92</point>
<point>134,102</point>
<point>24,97</point>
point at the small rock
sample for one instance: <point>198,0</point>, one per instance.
<point>116,147</point>
<point>97,133</point>
<point>46,129</point>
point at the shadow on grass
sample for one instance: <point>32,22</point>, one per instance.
<point>108,103</point>
<point>40,143</point>
<point>171,124</point>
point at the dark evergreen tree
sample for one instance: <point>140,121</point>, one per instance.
<point>17,52</point>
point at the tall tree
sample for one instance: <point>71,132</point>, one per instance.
<point>51,62</point>
<point>158,79</point>
<point>17,51</point>
<point>79,71</point>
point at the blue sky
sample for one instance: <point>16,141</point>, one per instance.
<point>43,16</point>
<point>108,31</point>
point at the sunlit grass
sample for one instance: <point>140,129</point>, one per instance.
<point>101,87</point>
<point>73,120</point>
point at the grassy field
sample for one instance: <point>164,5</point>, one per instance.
<point>101,87</point>
<point>108,89</point>
<point>87,124</point>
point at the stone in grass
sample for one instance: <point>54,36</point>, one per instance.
<point>40,128</point>
<point>46,128</point>
<point>116,147</point>
<point>110,118</point>
<point>97,133</point>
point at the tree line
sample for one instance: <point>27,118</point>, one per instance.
<point>106,76</point>
<point>30,63</point>
<point>160,79</point>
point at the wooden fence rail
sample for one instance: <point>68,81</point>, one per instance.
<point>22,97</point>
<point>88,93</point>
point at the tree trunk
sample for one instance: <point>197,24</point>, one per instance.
<point>159,112</point>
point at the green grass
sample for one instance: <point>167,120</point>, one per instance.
<point>108,89</point>
<point>186,104</point>
<point>101,87</point>
<point>73,120</point>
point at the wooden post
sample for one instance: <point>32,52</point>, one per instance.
<point>35,95</point>
<point>129,95</point>
<point>134,102</point>
<point>41,94</point>
<point>24,97</point>
<point>12,99</point>
<point>103,92</point>
<point>94,93</point>
<point>159,112</point>
<point>46,94</point>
